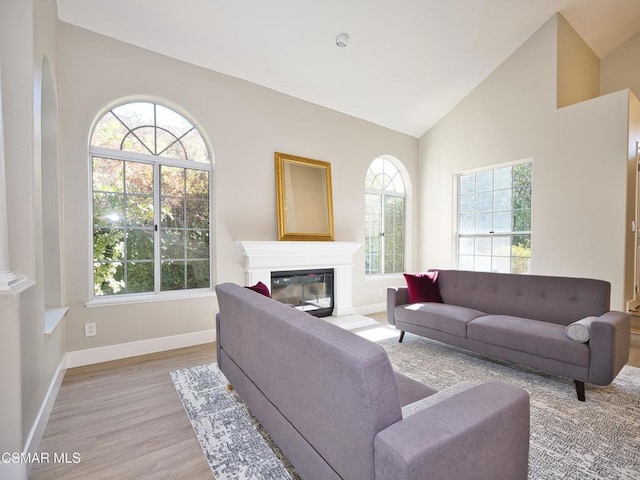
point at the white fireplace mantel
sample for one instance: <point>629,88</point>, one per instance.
<point>264,257</point>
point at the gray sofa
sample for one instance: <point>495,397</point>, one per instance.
<point>333,404</point>
<point>522,319</point>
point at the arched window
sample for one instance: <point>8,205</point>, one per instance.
<point>151,202</point>
<point>385,212</point>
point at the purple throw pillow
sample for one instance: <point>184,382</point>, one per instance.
<point>261,288</point>
<point>423,287</point>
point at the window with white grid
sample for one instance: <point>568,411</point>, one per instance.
<point>385,211</point>
<point>494,219</point>
<point>151,181</point>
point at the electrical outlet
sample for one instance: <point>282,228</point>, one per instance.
<point>90,329</point>
<point>381,292</point>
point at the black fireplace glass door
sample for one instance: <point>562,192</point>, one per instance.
<point>309,290</point>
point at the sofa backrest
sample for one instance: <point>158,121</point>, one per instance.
<point>337,389</point>
<point>560,300</point>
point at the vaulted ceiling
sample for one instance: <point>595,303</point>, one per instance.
<point>407,63</point>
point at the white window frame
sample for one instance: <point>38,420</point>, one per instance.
<point>404,174</point>
<point>485,234</point>
<point>156,161</point>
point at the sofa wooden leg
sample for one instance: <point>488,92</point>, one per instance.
<point>580,390</point>
<point>401,336</point>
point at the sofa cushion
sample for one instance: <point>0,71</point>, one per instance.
<point>423,287</point>
<point>560,300</point>
<point>580,331</point>
<point>411,390</point>
<point>438,316</point>
<point>426,402</point>
<point>544,339</point>
<point>260,288</point>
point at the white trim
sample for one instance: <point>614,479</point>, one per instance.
<point>494,166</point>
<point>156,161</point>
<point>369,309</point>
<point>9,281</point>
<point>24,284</point>
<point>385,277</point>
<point>147,158</point>
<point>40,423</point>
<point>79,358</point>
<point>352,322</point>
<point>145,98</point>
<point>110,300</point>
<point>13,471</point>
<point>408,211</point>
<point>53,317</point>
<point>456,235</point>
<point>263,257</point>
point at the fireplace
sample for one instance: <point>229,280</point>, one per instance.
<point>307,290</point>
<point>261,258</point>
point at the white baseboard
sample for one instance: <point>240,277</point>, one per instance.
<point>369,309</point>
<point>352,322</point>
<point>32,444</point>
<point>79,358</point>
<point>13,471</point>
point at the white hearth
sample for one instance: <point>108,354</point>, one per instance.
<point>263,257</point>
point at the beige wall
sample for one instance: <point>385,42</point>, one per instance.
<point>621,68</point>
<point>41,355</point>
<point>579,223</point>
<point>246,124</point>
<point>28,33</point>
<point>578,67</point>
<point>15,81</point>
<point>584,190</point>
<point>498,122</point>
<point>10,368</point>
<point>11,380</point>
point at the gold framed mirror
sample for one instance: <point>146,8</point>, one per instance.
<point>303,198</point>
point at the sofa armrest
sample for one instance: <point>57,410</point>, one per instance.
<point>395,296</point>
<point>609,339</point>
<point>481,433</point>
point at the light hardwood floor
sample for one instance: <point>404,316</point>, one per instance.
<point>126,421</point>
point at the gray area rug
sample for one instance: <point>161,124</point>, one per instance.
<point>594,440</point>
<point>236,446</point>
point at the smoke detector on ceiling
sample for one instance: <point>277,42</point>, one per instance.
<point>342,40</point>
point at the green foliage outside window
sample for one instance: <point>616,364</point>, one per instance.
<point>394,216</point>
<point>384,218</point>
<point>129,244</point>
<point>494,219</point>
